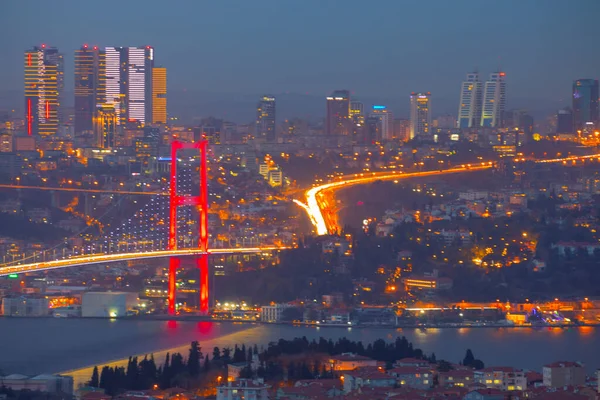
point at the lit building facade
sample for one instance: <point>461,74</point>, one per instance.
<point>494,101</point>
<point>43,67</point>
<point>265,118</point>
<point>386,122</point>
<point>420,115</point>
<point>105,126</point>
<point>159,95</point>
<point>338,113</point>
<point>90,86</point>
<point>129,83</point>
<point>471,98</point>
<point>585,102</point>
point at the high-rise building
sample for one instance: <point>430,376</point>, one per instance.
<point>43,80</point>
<point>385,117</point>
<point>129,83</point>
<point>338,113</point>
<point>494,101</point>
<point>357,117</point>
<point>401,129</point>
<point>265,118</point>
<point>105,125</point>
<point>159,95</point>
<point>420,115</point>
<point>564,121</point>
<point>90,86</point>
<point>585,102</point>
<point>471,97</point>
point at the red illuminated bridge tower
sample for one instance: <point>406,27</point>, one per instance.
<point>201,202</point>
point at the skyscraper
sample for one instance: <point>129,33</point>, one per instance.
<point>159,95</point>
<point>420,115</point>
<point>494,101</point>
<point>90,86</point>
<point>129,83</point>
<point>43,79</point>
<point>105,125</point>
<point>385,117</point>
<point>564,121</point>
<point>471,97</point>
<point>338,113</point>
<point>585,102</point>
<point>265,118</point>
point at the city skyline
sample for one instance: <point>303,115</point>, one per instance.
<point>287,74</point>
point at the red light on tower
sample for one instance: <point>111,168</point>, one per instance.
<point>95,47</point>
<point>85,46</point>
<point>43,46</point>
<point>502,74</point>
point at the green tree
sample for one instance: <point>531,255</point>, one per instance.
<point>206,364</point>
<point>95,380</point>
<point>193,362</point>
<point>216,354</point>
<point>469,358</point>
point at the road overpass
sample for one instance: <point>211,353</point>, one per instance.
<point>92,259</point>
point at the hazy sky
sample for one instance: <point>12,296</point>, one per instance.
<point>384,48</point>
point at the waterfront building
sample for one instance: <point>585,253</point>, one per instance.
<point>43,84</point>
<point>420,115</point>
<point>338,113</point>
<point>265,118</point>
<point>585,102</point>
<point>90,86</point>
<point>471,98</point>
<point>272,313</point>
<point>24,307</point>
<point>563,373</point>
<point>494,100</point>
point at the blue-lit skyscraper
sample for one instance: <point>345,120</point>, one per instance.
<point>585,102</point>
<point>471,97</point>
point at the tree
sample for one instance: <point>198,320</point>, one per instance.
<point>478,364</point>
<point>206,364</point>
<point>216,354</point>
<point>193,362</point>
<point>469,358</point>
<point>95,381</point>
<point>444,366</point>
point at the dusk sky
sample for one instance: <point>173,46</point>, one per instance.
<point>384,48</point>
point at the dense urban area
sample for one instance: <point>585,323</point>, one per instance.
<point>114,206</point>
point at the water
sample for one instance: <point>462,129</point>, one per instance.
<point>37,345</point>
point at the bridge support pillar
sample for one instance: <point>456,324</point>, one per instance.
<point>201,202</point>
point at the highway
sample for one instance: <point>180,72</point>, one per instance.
<point>91,259</point>
<point>314,206</point>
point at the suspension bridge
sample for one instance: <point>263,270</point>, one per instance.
<point>172,224</point>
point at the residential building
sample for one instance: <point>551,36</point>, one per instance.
<point>243,389</point>
<point>265,119</point>
<point>401,129</point>
<point>385,120</point>
<point>338,113</point>
<point>90,86</point>
<point>413,377</point>
<point>44,83</point>
<point>6,143</point>
<point>471,97</point>
<point>502,378</point>
<point>456,377</point>
<point>486,394</point>
<point>585,102</point>
<point>420,115</point>
<point>494,101</point>
<point>563,373</point>
<point>159,95</point>
<point>354,380</point>
<point>349,362</point>
<point>273,312</point>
